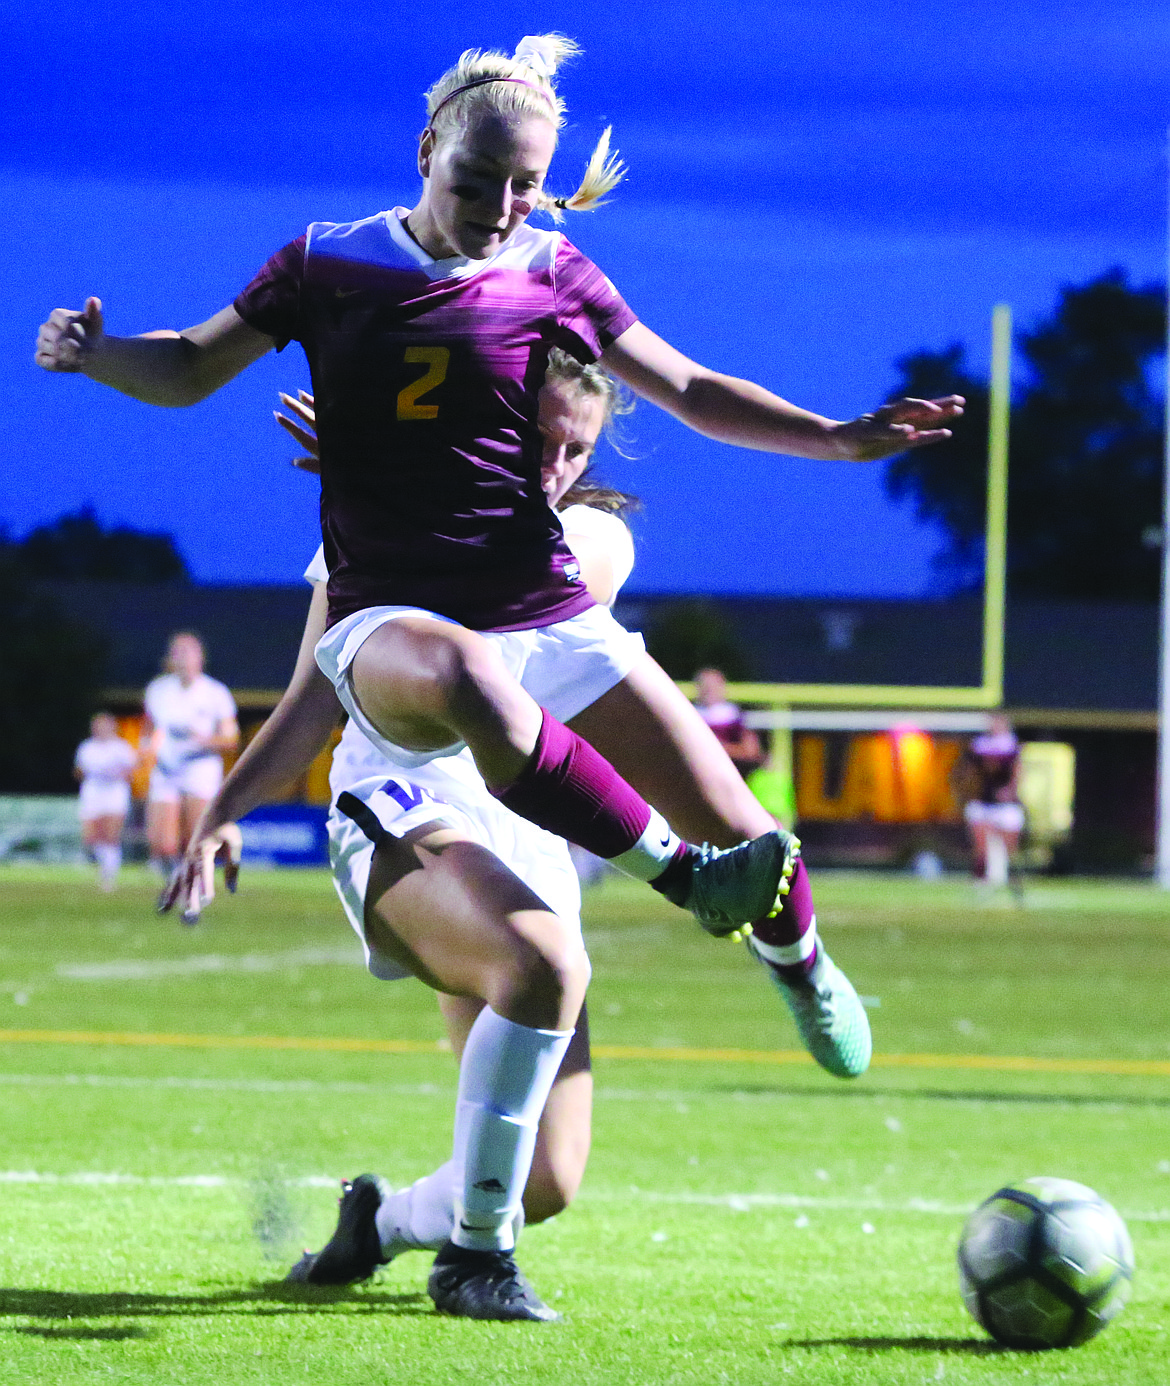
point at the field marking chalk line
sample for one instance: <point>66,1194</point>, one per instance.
<point>990,1063</point>
<point>734,1202</point>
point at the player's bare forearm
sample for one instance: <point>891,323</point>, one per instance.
<point>747,415</point>
<point>742,413</point>
<point>167,368</point>
<point>280,752</point>
<point>156,369</point>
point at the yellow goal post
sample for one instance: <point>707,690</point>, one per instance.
<point>988,693</point>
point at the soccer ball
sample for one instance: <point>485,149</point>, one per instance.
<point>1045,1263</point>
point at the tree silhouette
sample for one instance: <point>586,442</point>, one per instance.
<point>1085,480</point>
<point>76,546</point>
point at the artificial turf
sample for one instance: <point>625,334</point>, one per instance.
<point>745,1217</point>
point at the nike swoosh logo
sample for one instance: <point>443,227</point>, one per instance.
<point>666,840</point>
<point>347,293</point>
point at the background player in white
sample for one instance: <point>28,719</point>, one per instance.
<point>190,723</point>
<point>104,764</point>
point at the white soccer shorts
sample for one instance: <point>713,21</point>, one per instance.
<point>565,666</point>
<point>100,799</point>
<point>199,778</point>
<point>447,792</point>
<point>1003,818</point>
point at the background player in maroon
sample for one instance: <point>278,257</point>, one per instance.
<point>726,720</point>
<point>988,775</point>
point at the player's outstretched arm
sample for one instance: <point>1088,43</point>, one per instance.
<point>167,368</point>
<point>282,750</point>
<point>737,411</point>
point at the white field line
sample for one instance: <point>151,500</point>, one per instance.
<point>91,1178</point>
<point>678,1096</point>
<point>144,970</point>
<point>254,1085</point>
<point>736,1203</point>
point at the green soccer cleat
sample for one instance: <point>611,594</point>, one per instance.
<point>828,1013</point>
<point>730,888</point>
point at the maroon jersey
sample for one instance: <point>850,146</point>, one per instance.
<point>426,374</point>
<point>725,720</point>
<point>993,758</point>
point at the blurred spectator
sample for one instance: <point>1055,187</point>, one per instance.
<point>726,720</point>
<point>988,778</point>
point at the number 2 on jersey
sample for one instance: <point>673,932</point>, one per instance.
<point>436,360</point>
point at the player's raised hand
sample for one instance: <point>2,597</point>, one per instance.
<point>303,433</point>
<point>67,339</point>
<point>193,884</point>
<point>895,427</point>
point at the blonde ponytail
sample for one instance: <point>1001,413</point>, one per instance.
<point>603,173</point>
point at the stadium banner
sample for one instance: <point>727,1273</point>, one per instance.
<point>286,835</point>
<point>40,827</point>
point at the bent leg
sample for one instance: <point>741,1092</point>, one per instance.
<point>426,684</point>
<point>455,916</point>
<point>463,922</point>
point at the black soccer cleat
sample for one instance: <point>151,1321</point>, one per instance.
<point>484,1285</point>
<point>354,1252</point>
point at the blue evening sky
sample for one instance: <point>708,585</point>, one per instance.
<point>813,192</point>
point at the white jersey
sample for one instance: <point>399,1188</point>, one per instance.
<point>104,764</point>
<point>186,716</point>
<point>105,761</point>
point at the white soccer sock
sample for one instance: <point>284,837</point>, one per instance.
<point>997,860</point>
<point>504,1082</point>
<point>422,1217</point>
<point>653,852</point>
<point>108,856</point>
<point>788,954</point>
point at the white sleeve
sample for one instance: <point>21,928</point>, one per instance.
<point>317,572</point>
<point>226,703</point>
<point>611,530</point>
<point>150,701</point>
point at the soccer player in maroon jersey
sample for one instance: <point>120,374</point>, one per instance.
<point>989,772</point>
<point>726,720</point>
<point>452,596</point>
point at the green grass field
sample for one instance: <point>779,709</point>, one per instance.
<point>745,1218</point>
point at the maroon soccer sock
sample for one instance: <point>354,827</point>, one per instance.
<point>788,942</point>
<point>571,790</point>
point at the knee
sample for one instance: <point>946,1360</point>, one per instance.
<point>544,986</point>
